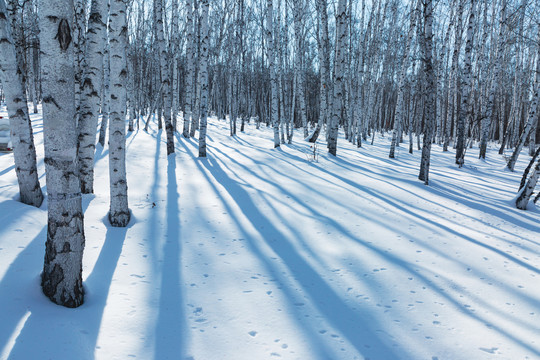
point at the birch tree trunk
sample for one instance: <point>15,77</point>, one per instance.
<point>119,214</point>
<point>165,80</point>
<point>24,151</point>
<point>442,66</point>
<point>400,106</point>
<point>324,60</point>
<point>465,108</point>
<point>204,78</point>
<point>91,86</point>
<point>106,92</point>
<point>528,183</point>
<point>426,44</point>
<point>32,71</point>
<point>273,76</point>
<point>454,75</point>
<point>196,111</point>
<point>61,279</point>
<point>532,139</point>
<point>339,67</point>
<point>174,57</point>
<point>299,60</point>
<point>529,125</point>
<point>491,104</point>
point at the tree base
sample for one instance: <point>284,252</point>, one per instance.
<point>120,218</point>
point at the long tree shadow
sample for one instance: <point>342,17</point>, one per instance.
<point>99,281</point>
<point>152,220</point>
<point>319,347</point>
<point>170,327</point>
<point>16,288</point>
<point>357,327</point>
<point>6,170</point>
<point>72,333</point>
<point>436,226</point>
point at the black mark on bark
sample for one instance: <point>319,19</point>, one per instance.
<point>64,34</point>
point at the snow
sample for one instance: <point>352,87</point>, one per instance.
<point>259,253</point>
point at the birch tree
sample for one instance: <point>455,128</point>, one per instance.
<point>528,182</point>
<point>299,59</point>
<point>204,78</point>
<point>400,107</point>
<point>273,74</point>
<point>426,45</point>
<point>165,80</point>
<point>24,151</point>
<point>466,80</point>
<point>454,76</point>
<point>90,99</point>
<point>105,92</point>
<point>339,69</point>
<point>190,67</point>
<point>119,214</point>
<point>61,279</point>
<point>532,117</point>
<point>175,42</point>
<point>324,60</point>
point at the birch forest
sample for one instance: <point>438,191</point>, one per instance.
<point>436,92</point>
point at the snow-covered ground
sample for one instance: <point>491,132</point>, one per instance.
<point>256,253</point>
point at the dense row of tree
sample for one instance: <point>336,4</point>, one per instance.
<point>455,72</point>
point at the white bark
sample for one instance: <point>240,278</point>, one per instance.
<point>531,119</point>
<point>119,214</point>
<point>324,60</point>
<point>339,69</point>
<point>91,86</point>
<point>196,110</point>
<point>454,75</point>
<point>298,65</point>
<point>175,52</point>
<point>400,106</point>
<point>62,271</point>
<point>106,92</point>
<point>466,80</point>
<point>204,78</point>
<point>24,152</point>
<point>426,43</point>
<point>273,76</point>
<point>527,186</point>
<point>165,80</point>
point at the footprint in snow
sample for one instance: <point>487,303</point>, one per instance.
<point>198,311</point>
<point>252,333</point>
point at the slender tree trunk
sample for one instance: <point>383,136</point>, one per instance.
<point>24,151</point>
<point>119,214</point>
<point>61,279</point>
<point>175,42</point>
<point>454,76</point>
<point>273,76</point>
<point>339,68</point>
<point>298,65</point>
<point>91,86</point>
<point>400,107</point>
<point>165,80</point>
<point>324,60</point>
<point>528,182</point>
<point>204,78</point>
<point>106,93</point>
<point>196,111</point>
<point>426,44</point>
<point>529,125</point>
<point>465,108</point>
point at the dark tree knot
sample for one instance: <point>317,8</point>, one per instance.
<point>64,34</point>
